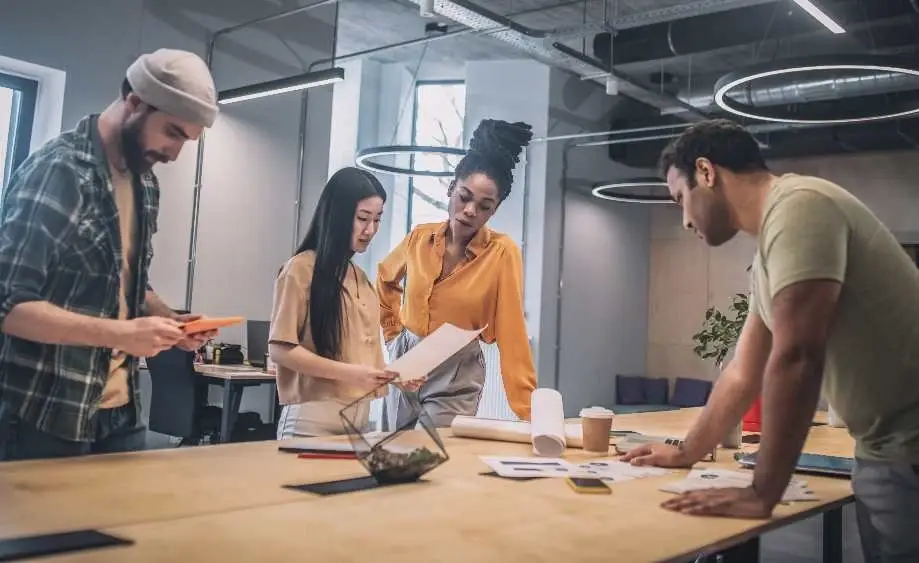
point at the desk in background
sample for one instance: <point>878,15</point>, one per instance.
<point>234,379</point>
<point>226,503</point>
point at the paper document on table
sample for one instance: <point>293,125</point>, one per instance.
<point>616,471</point>
<point>507,430</point>
<point>606,469</point>
<point>547,428</point>
<point>701,479</point>
<point>432,351</point>
<point>528,466</point>
<point>319,445</point>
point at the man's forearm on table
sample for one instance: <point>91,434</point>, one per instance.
<point>790,395</point>
<point>731,397</point>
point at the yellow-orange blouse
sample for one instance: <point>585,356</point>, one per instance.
<point>486,289</point>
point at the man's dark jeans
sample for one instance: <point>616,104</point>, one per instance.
<point>115,430</point>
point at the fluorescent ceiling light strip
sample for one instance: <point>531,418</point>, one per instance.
<point>282,86</point>
<point>820,16</point>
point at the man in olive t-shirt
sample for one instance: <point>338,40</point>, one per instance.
<point>835,307</point>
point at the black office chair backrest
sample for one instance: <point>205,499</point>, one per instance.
<point>176,400</point>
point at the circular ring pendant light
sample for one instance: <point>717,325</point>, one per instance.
<point>365,156</point>
<point>634,190</point>
<point>865,63</point>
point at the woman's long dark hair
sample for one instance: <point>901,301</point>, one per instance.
<point>329,236</point>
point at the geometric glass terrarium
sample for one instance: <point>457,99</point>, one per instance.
<point>401,456</point>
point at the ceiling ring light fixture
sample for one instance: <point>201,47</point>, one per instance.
<point>365,156</point>
<point>620,191</point>
<point>868,63</point>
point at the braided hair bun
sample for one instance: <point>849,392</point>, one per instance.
<point>495,151</point>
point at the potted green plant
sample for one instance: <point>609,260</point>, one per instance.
<point>720,331</point>
<point>719,335</point>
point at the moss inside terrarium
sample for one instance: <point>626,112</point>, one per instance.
<point>398,467</point>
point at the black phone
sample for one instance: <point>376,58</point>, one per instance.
<point>588,485</point>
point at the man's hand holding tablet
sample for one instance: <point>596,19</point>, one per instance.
<point>199,329</point>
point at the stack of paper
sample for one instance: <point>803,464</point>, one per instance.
<point>608,470</point>
<point>701,479</point>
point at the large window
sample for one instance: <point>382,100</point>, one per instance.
<point>17,112</point>
<point>438,121</point>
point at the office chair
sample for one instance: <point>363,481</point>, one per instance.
<point>178,405</point>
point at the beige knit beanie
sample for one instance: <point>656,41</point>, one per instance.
<point>175,82</point>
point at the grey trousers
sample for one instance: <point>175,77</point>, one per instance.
<point>887,510</point>
<point>454,388</point>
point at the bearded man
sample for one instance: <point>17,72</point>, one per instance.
<point>76,229</point>
<point>834,306</point>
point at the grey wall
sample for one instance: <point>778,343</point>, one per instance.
<point>885,182</point>
<point>249,181</point>
<point>605,258</point>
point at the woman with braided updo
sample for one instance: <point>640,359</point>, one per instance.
<point>463,273</point>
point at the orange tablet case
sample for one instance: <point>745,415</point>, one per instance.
<point>207,324</point>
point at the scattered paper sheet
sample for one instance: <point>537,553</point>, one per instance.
<point>607,469</point>
<point>432,351</point>
<point>701,479</point>
<point>507,430</point>
<point>616,471</point>
<point>329,446</point>
<point>547,428</point>
<point>529,466</point>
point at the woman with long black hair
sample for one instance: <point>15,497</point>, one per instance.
<point>325,320</point>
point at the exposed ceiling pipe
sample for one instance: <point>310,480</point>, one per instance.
<point>737,27</point>
<point>805,91</point>
<point>631,88</point>
<point>532,42</point>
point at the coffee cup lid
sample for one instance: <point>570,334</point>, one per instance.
<point>596,412</point>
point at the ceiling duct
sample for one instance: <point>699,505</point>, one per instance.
<point>803,92</point>
<point>537,43</point>
<point>743,26</point>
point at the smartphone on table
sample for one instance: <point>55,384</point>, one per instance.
<point>588,485</point>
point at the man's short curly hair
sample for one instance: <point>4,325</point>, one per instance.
<point>723,142</point>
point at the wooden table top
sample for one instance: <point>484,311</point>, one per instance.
<point>226,503</point>
<point>234,372</point>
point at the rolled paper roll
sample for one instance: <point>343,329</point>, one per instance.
<point>547,426</point>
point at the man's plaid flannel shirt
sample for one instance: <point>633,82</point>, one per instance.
<point>60,242</point>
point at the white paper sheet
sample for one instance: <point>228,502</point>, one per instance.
<point>529,466</point>
<point>548,467</point>
<point>547,429</point>
<point>701,479</point>
<point>432,351</point>
<point>329,445</point>
<point>616,471</point>
<point>507,430</point>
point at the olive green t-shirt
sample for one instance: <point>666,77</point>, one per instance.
<point>812,229</point>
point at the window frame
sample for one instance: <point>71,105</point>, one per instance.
<point>411,179</point>
<point>21,124</point>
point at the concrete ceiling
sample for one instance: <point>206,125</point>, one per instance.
<point>367,24</point>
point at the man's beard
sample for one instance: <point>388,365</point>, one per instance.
<point>137,159</point>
